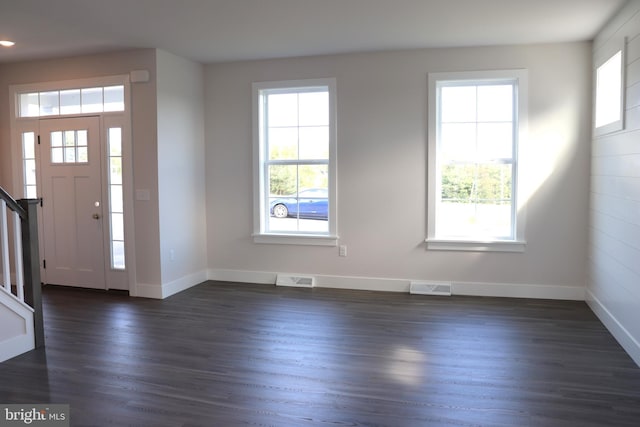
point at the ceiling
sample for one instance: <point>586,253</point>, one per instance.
<point>211,31</point>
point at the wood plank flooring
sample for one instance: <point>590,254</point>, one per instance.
<point>223,354</point>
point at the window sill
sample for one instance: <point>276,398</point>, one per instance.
<point>476,246</point>
<point>295,239</point>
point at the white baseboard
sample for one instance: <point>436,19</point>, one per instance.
<point>519,290</point>
<point>16,346</point>
<point>242,276</point>
<point>183,283</point>
<point>146,290</point>
<point>620,333</point>
<point>509,290</point>
<point>363,283</point>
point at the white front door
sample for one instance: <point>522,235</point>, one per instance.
<point>72,209</point>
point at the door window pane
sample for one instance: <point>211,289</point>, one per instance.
<point>57,155</point>
<point>56,139</point>
<point>83,154</point>
<point>69,155</point>
<point>69,146</point>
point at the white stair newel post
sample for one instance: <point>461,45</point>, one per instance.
<point>17,247</point>
<point>4,246</point>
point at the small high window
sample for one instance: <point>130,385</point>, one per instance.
<point>609,92</point>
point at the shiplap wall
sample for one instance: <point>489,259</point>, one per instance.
<point>614,265</point>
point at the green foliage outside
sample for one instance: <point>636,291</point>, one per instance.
<point>476,183</point>
<point>283,178</point>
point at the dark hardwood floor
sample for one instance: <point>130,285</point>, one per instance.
<point>224,354</point>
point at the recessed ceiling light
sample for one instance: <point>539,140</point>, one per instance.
<point>6,43</point>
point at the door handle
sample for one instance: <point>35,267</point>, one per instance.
<point>96,216</point>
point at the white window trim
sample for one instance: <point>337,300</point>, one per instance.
<point>112,118</point>
<point>617,45</point>
<point>518,243</point>
<point>15,90</point>
<point>260,213</point>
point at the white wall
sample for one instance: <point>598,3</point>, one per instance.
<point>382,161</point>
<point>614,249</point>
<point>181,178</point>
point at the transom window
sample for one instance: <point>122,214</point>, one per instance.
<point>473,153</point>
<point>71,101</point>
<point>295,153</point>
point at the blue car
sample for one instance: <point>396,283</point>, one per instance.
<point>310,203</point>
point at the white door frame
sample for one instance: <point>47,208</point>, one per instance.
<point>75,229</point>
<point>121,119</point>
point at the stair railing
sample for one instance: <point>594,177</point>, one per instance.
<point>26,258</point>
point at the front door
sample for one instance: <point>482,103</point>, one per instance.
<point>71,171</point>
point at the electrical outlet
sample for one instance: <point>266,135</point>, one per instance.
<point>172,255</point>
<point>343,250</point>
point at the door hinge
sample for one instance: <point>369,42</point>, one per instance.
<point>44,264</point>
<point>41,201</point>
<point>38,139</point>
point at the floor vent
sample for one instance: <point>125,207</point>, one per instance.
<point>295,281</point>
<point>430,288</point>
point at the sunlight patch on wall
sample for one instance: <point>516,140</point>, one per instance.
<point>546,150</point>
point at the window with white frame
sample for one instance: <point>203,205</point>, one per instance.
<point>29,164</point>
<point>609,90</point>
<point>71,101</point>
<point>116,197</point>
<point>476,122</point>
<point>295,162</point>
